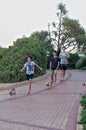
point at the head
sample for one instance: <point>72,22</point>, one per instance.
<point>63,48</point>
<point>13,89</point>
<point>29,58</point>
<point>54,53</point>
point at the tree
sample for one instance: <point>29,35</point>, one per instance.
<point>66,31</point>
<point>74,35</point>
<point>43,36</point>
<point>57,28</point>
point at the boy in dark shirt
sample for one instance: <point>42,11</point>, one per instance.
<point>54,66</point>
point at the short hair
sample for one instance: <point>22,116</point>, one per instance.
<point>64,47</point>
<point>30,57</point>
<point>55,51</point>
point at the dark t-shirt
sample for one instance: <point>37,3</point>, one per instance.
<point>54,62</point>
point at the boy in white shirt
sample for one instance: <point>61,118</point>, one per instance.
<point>29,66</point>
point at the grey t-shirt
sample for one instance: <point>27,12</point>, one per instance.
<point>63,59</point>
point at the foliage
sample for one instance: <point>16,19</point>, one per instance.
<point>74,57</point>
<point>66,31</point>
<point>83,68</point>
<point>84,127</point>
<point>15,56</point>
<point>83,112</point>
<point>81,63</point>
<point>49,47</point>
<point>2,51</point>
<point>74,35</point>
<point>83,103</point>
<point>83,120</point>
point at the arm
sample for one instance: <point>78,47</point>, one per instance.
<point>23,68</point>
<point>67,56</point>
<point>58,65</point>
<point>60,56</point>
<point>50,64</point>
<point>38,66</point>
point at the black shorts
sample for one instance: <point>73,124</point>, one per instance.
<point>29,76</point>
<point>63,66</point>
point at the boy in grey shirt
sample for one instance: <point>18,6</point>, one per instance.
<point>64,56</point>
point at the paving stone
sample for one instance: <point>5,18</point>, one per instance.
<point>43,109</point>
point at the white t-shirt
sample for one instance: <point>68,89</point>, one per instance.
<point>29,67</point>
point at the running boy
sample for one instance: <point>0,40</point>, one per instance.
<point>29,66</point>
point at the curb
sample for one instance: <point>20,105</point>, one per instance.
<point>72,119</point>
<point>18,84</point>
<point>79,126</point>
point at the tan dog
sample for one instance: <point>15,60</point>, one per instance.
<point>12,93</point>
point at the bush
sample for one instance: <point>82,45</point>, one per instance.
<point>15,56</point>
<point>83,103</point>
<point>84,96</point>
<point>83,120</point>
<point>83,68</point>
<point>73,60</point>
<point>84,127</point>
<point>83,112</point>
<point>81,63</point>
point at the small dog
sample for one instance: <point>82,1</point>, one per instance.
<point>84,84</point>
<point>49,84</point>
<point>12,93</point>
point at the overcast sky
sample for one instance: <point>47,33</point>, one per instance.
<point>22,17</point>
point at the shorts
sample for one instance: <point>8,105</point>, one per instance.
<point>54,72</point>
<point>63,66</point>
<point>29,76</point>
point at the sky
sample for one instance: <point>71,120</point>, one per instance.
<point>23,17</point>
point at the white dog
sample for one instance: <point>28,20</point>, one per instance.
<point>84,84</point>
<point>49,84</point>
<point>12,93</point>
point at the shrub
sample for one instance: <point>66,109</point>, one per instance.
<point>84,96</point>
<point>84,127</point>
<point>83,112</point>
<point>83,120</point>
<point>83,103</point>
<point>81,63</point>
<point>73,60</point>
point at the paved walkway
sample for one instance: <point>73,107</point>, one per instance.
<point>44,109</point>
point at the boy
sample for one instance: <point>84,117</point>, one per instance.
<point>29,66</point>
<point>64,56</point>
<point>54,66</point>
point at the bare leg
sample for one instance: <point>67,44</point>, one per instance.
<point>62,75</point>
<point>29,86</point>
<point>54,80</point>
<point>51,82</point>
<point>51,78</point>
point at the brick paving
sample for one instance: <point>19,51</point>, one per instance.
<point>43,109</point>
